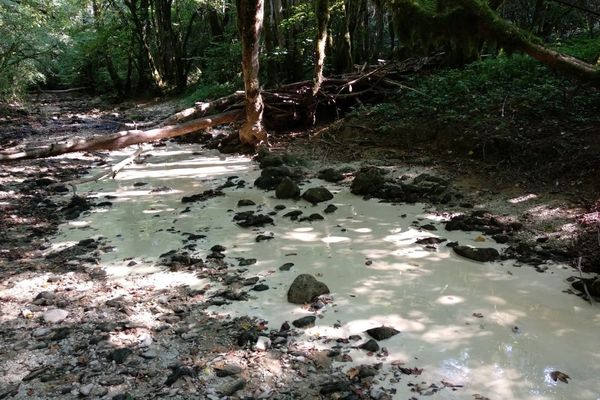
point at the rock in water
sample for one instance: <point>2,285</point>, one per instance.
<point>371,345</point>
<point>317,195</point>
<point>368,181</point>
<point>305,322</point>
<point>478,254</point>
<point>330,175</point>
<point>287,189</point>
<point>382,332</point>
<point>330,209</point>
<point>270,177</point>
<point>305,288</point>
<point>245,203</point>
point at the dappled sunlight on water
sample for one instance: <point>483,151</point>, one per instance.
<point>496,329</point>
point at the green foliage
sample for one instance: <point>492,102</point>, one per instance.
<point>32,37</point>
<point>585,49</point>
<point>221,63</point>
<point>207,92</point>
<point>497,93</point>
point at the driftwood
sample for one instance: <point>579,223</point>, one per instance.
<point>284,106</point>
<point>123,139</point>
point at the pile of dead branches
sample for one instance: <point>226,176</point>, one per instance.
<point>284,106</point>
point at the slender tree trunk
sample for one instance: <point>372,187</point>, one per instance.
<point>322,11</point>
<point>270,44</point>
<point>344,55</point>
<point>250,15</point>
<point>380,24</point>
<point>112,71</point>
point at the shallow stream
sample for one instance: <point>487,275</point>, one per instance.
<point>493,328</point>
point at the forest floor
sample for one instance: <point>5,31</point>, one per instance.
<point>554,202</point>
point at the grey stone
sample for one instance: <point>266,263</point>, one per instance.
<point>287,189</point>
<point>286,267</point>
<point>231,387</point>
<point>305,288</point>
<point>228,370</point>
<point>483,254</point>
<point>330,209</point>
<point>55,315</point>
<point>368,181</point>
<point>120,355</point>
<point>330,175</point>
<point>305,322</point>
<point>370,345</point>
<point>382,332</point>
<point>317,195</point>
<point>245,203</point>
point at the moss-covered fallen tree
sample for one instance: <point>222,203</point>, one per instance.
<point>467,23</point>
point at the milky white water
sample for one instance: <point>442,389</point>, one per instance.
<point>528,329</point>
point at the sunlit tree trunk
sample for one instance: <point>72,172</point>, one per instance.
<point>322,10</point>
<point>250,22</point>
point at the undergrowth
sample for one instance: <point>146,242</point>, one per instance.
<point>502,92</point>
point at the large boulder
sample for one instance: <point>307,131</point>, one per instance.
<point>305,288</point>
<point>317,195</point>
<point>287,189</point>
<point>482,254</point>
<point>368,181</point>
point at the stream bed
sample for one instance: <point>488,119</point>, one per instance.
<point>488,330</point>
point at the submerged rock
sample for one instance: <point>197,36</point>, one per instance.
<point>207,194</point>
<point>317,195</point>
<point>305,288</point>
<point>286,267</point>
<point>482,254</point>
<point>330,209</point>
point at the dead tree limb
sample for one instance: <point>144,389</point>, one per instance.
<point>123,138</point>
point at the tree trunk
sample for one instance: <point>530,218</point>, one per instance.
<point>250,22</point>
<point>322,11</point>
<point>344,55</point>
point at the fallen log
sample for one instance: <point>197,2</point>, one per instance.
<point>123,138</point>
<point>284,106</point>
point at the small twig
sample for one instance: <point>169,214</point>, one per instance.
<point>503,104</point>
<point>112,171</point>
